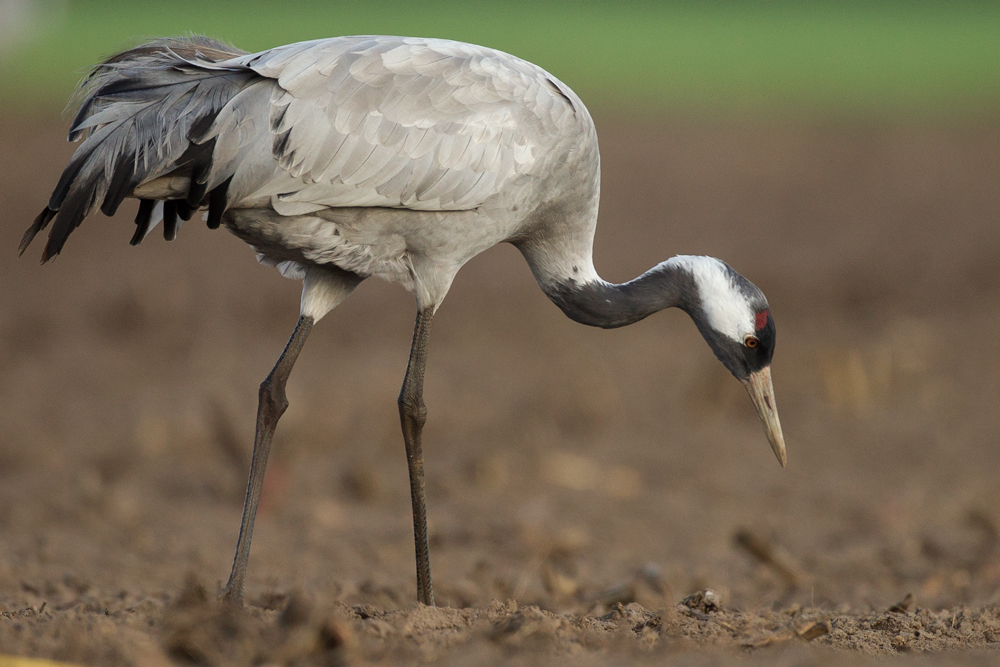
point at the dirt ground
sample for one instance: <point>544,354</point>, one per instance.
<point>585,487</point>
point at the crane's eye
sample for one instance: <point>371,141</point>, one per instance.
<point>751,342</point>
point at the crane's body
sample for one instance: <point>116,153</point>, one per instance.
<point>318,145</point>
<point>401,158</point>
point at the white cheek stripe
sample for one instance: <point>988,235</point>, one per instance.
<point>728,311</point>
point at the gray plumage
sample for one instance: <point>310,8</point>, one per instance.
<point>403,158</point>
<point>316,144</point>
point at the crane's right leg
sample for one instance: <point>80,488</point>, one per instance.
<point>413,416</point>
<point>323,289</point>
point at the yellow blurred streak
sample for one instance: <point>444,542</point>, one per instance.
<point>584,474</point>
<point>856,381</point>
<point>20,661</point>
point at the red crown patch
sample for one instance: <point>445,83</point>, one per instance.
<point>761,319</point>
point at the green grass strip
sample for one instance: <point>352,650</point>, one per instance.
<point>887,58</point>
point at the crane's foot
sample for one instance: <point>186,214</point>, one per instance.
<point>230,597</point>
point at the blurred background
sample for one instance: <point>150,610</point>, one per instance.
<point>845,156</point>
<point>817,58</point>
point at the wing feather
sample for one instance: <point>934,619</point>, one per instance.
<point>407,122</point>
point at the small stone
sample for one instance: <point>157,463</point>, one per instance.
<point>706,601</point>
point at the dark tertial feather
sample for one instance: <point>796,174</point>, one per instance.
<point>122,182</point>
<point>142,220</point>
<point>217,203</point>
<point>170,220</point>
<point>78,203</point>
<point>119,86</point>
<point>198,129</point>
<point>184,210</point>
<point>41,222</point>
<point>201,165</point>
<point>69,174</point>
<point>81,115</point>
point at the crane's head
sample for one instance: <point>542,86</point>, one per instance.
<point>733,316</point>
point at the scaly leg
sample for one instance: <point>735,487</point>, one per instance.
<point>413,415</point>
<point>271,405</point>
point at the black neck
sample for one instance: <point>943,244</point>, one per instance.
<point>608,305</point>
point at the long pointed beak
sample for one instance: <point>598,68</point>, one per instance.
<point>762,393</point>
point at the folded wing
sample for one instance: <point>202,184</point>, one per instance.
<point>412,123</point>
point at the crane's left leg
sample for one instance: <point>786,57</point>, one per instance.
<point>271,404</point>
<point>323,289</point>
<point>413,415</point>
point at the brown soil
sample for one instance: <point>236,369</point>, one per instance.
<point>584,485</point>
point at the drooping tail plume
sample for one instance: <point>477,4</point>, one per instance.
<point>143,114</point>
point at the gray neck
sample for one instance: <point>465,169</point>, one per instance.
<point>598,303</point>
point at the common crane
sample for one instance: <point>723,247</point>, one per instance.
<point>403,158</point>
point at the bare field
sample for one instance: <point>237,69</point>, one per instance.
<point>581,483</point>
